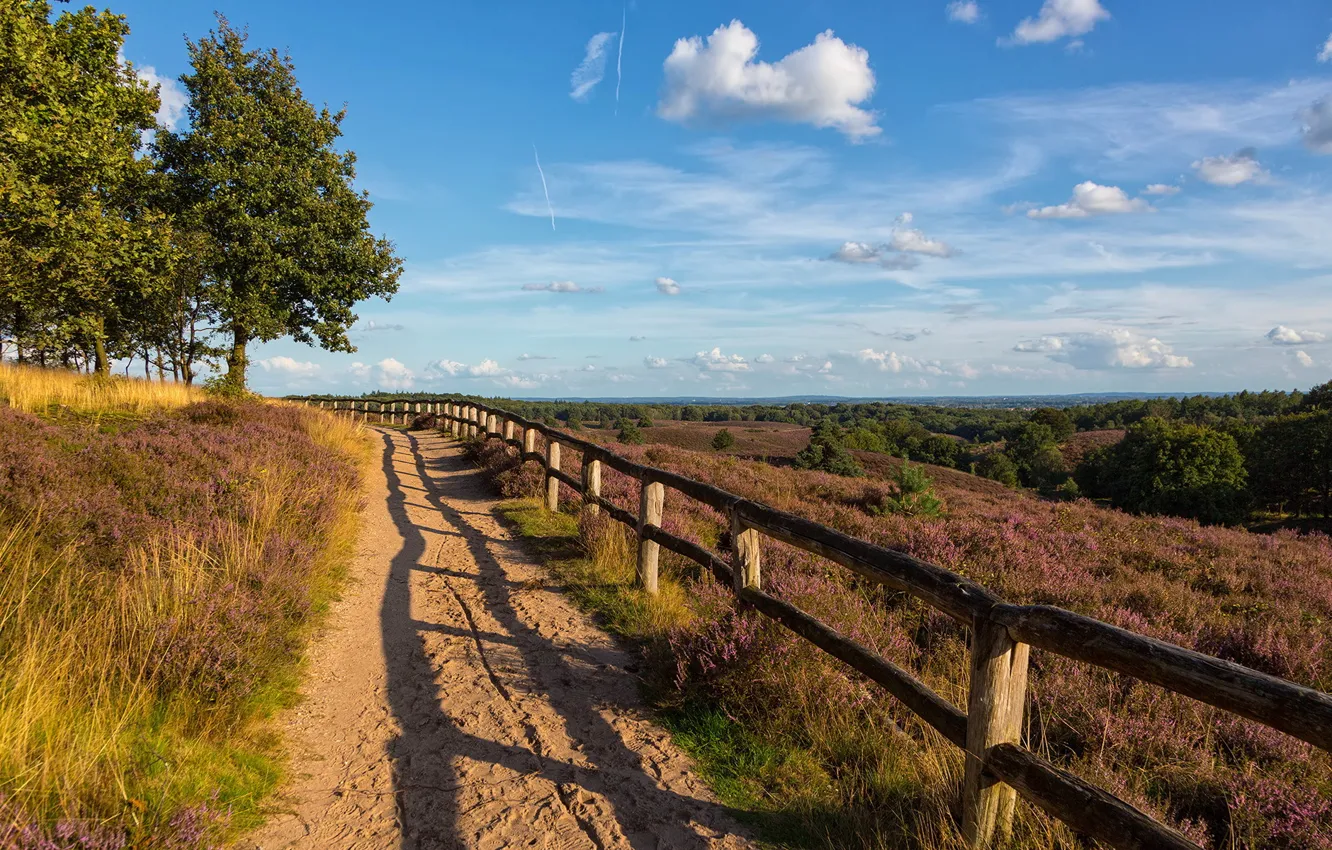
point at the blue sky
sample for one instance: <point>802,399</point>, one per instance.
<point>863,199</point>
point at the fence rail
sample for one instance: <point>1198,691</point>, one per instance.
<point>998,767</point>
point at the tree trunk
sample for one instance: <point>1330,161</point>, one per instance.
<point>103,363</point>
<point>237,359</point>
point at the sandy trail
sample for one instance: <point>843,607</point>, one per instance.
<point>457,701</point>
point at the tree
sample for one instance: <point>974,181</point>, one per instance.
<point>827,453</point>
<point>1171,468</point>
<point>722,440</point>
<point>1318,398</point>
<point>1034,452</point>
<point>78,246</point>
<point>1060,425</point>
<point>998,466</point>
<point>911,495</point>
<point>629,434</point>
<point>258,174</point>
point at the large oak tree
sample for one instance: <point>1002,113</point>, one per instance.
<point>257,174</point>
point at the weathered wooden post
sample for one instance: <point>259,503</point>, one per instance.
<point>651,502</point>
<point>529,441</point>
<point>508,429</point>
<point>995,705</point>
<point>492,426</point>
<point>552,483</point>
<point>591,484</point>
<point>473,418</point>
<point>748,560</point>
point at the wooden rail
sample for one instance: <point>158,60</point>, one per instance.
<point>998,767</point>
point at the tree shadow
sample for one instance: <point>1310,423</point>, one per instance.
<point>575,682</point>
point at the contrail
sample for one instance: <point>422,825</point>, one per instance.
<point>543,187</point>
<point>624,19</point>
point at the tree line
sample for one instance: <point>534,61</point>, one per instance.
<point>125,240</point>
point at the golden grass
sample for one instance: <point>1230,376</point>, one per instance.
<point>84,735</point>
<point>34,389</point>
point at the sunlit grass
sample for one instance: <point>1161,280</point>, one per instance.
<point>33,389</point>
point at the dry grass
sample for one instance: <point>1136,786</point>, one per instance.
<point>46,391</point>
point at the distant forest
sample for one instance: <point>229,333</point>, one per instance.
<point>1258,458</point>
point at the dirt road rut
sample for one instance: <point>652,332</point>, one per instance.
<point>459,701</point>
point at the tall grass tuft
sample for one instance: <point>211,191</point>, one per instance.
<point>157,585</point>
<point>36,390</point>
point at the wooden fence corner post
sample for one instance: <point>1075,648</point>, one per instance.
<point>995,705</point>
<point>552,483</point>
<point>591,484</point>
<point>651,505</point>
<point>748,571</point>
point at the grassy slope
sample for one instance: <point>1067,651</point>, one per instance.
<point>1262,600</point>
<point>162,561</point>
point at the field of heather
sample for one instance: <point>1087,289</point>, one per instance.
<point>1261,600</point>
<point>162,559</point>
<point>773,440</point>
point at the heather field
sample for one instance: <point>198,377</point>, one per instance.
<point>759,440</point>
<point>792,736</point>
<point>162,560</point>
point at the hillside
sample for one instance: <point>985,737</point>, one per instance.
<point>1260,600</point>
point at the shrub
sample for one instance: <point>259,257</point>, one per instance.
<point>645,422</point>
<point>998,466</point>
<point>911,494</point>
<point>827,453</point>
<point>722,440</point>
<point>630,435</point>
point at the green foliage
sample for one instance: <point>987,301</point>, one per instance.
<point>1170,468</point>
<point>998,466</point>
<point>1289,461</point>
<point>826,452</point>
<point>911,495</point>
<point>645,422</point>
<point>1034,451</point>
<point>689,413</point>
<point>1318,398</point>
<point>1058,421</point>
<point>258,176</point>
<point>722,440</point>
<point>80,248</point>
<point>630,435</point>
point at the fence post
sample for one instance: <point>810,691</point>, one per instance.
<point>995,705</point>
<point>492,426</point>
<point>747,569</point>
<point>552,483</point>
<point>529,440</point>
<point>591,484</point>
<point>651,501</point>
<point>508,429</point>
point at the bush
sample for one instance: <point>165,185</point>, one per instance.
<point>827,453</point>
<point>998,466</point>
<point>911,494</point>
<point>722,440</point>
<point>630,435</point>
<point>645,422</point>
<point>1172,468</point>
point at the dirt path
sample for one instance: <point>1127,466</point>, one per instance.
<point>459,702</point>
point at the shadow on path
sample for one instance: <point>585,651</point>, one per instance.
<point>434,759</point>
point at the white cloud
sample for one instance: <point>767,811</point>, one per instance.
<point>964,11</point>
<point>392,375</point>
<point>526,356</point>
<point>487,368</point>
<point>1059,19</point>
<point>637,338</point>
<point>655,362</point>
<point>586,76</point>
<point>289,366</point>
<point>1304,360</point>
<point>1109,349</point>
<point>857,252</point>
<point>764,358</point>
<point>519,382</point>
<point>893,254</point>
<point>916,242</point>
<point>359,372</point>
<point>715,361</point>
<point>819,84</point>
<point>886,361</point>
<point>1316,125</point>
<point>1091,199</point>
<point>1161,189</point>
<point>560,286</point>
<point>169,92</point>
<point>666,286</point>
<point>1230,170</point>
<point>1325,55</point>
<point>1282,335</point>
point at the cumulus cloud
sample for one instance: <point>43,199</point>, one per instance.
<point>526,356</point>
<point>1228,171</point>
<point>1161,189</point>
<point>1060,19</point>
<point>487,368</point>
<point>764,358</point>
<point>1091,199</point>
<point>1304,360</point>
<point>288,366</point>
<point>560,286</point>
<point>666,286</point>
<point>586,76</point>
<point>393,375</point>
<point>715,361</point>
<point>170,93</point>
<point>1282,335</point>
<point>1316,125</point>
<point>819,84</point>
<point>655,362</point>
<point>964,11</point>
<point>895,253</point>
<point>916,242</point>
<point>1325,54</point>
<point>1111,349</point>
<point>886,361</point>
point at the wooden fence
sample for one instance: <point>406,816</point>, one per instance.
<point>998,768</point>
